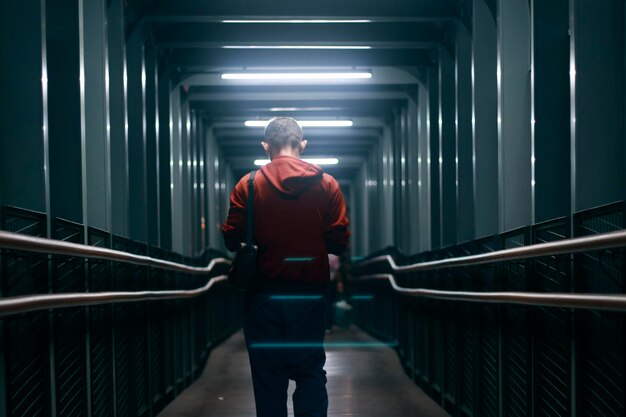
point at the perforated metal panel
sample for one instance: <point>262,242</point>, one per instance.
<point>487,390</point>
<point>122,333</point>
<point>521,358</point>
<point>27,354</point>
<point>119,355</point>
<point>551,326</point>
<point>599,335</point>
<point>100,331</point>
<point>69,326</point>
<point>488,381</point>
<point>24,273</point>
<point>123,363</point>
<point>516,343</point>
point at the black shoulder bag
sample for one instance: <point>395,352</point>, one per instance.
<point>243,268</point>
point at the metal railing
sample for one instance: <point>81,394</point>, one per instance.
<point>92,325</point>
<point>563,247</point>
<point>540,329</point>
<point>25,243</point>
<point>589,301</point>
<point>28,303</point>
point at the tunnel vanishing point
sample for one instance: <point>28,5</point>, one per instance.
<point>480,146</point>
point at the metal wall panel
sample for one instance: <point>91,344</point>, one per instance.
<point>514,142</point>
<point>484,120</point>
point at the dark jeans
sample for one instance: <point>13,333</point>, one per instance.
<point>285,334</point>
<point>331,291</point>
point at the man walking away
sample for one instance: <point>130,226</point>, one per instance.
<point>299,217</point>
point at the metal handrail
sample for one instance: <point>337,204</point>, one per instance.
<point>27,303</point>
<point>26,243</point>
<point>563,300</point>
<point>561,247</point>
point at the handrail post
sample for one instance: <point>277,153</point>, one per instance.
<point>3,378</point>
<point>149,341</point>
<point>87,330</point>
<point>51,354</point>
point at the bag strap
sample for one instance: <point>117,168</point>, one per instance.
<point>250,210</point>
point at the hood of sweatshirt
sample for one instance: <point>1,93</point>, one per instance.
<point>290,176</point>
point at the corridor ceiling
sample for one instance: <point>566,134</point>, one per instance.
<point>198,40</point>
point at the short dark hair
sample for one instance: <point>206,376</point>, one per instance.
<point>283,131</point>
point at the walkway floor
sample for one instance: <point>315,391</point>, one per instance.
<point>362,382</point>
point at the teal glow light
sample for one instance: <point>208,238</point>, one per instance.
<point>362,297</point>
<point>299,259</point>
<point>295,297</point>
<point>304,345</point>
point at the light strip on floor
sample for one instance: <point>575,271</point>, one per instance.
<point>304,345</point>
<point>296,47</point>
<point>297,21</point>
<point>296,75</point>
<point>316,161</point>
<point>305,123</point>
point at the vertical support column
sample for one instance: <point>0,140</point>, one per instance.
<point>447,148</point>
<point>375,203</point>
<point>396,173</point>
<point>23,132</point>
<point>66,156</point>
<point>23,147</point>
<point>464,144</point>
<point>388,185</point>
<point>413,189</point>
<point>434,154</point>
<point>363,244</point>
<point>597,94</point>
<point>550,109</point>
<point>202,179</point>
<point>95,140</point>
<point>152,146</point>
<point>176,185</point>
<point>597,88</point>
<point>214,231</point>
<point>137,205</point>
<point>423,168</point>
<point>186,179</point>
<point>165,158</point>
<point>64,110</point>
<point>513,73</point>
<point>94,120</point>
<point>117,85</point>
<point>572,97</point>
<point>484,120</point>
<point>195,188</point>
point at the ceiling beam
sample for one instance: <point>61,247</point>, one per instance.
<point>375,34</point>
<point>283,8</point>
<point>198,59</point>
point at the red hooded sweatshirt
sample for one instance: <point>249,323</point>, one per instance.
<point>299,217</point>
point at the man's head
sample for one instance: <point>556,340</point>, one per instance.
<point>283,136</point>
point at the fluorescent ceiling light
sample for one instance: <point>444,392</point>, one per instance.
<point>316,161</point>
<point>296,47</point>
<point>298,21</point>
<point>296,75</point>
<point>305,123</point>
<point>273,109</point>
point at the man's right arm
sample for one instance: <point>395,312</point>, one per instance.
<point>336,233</point>
<point>234,229</point>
